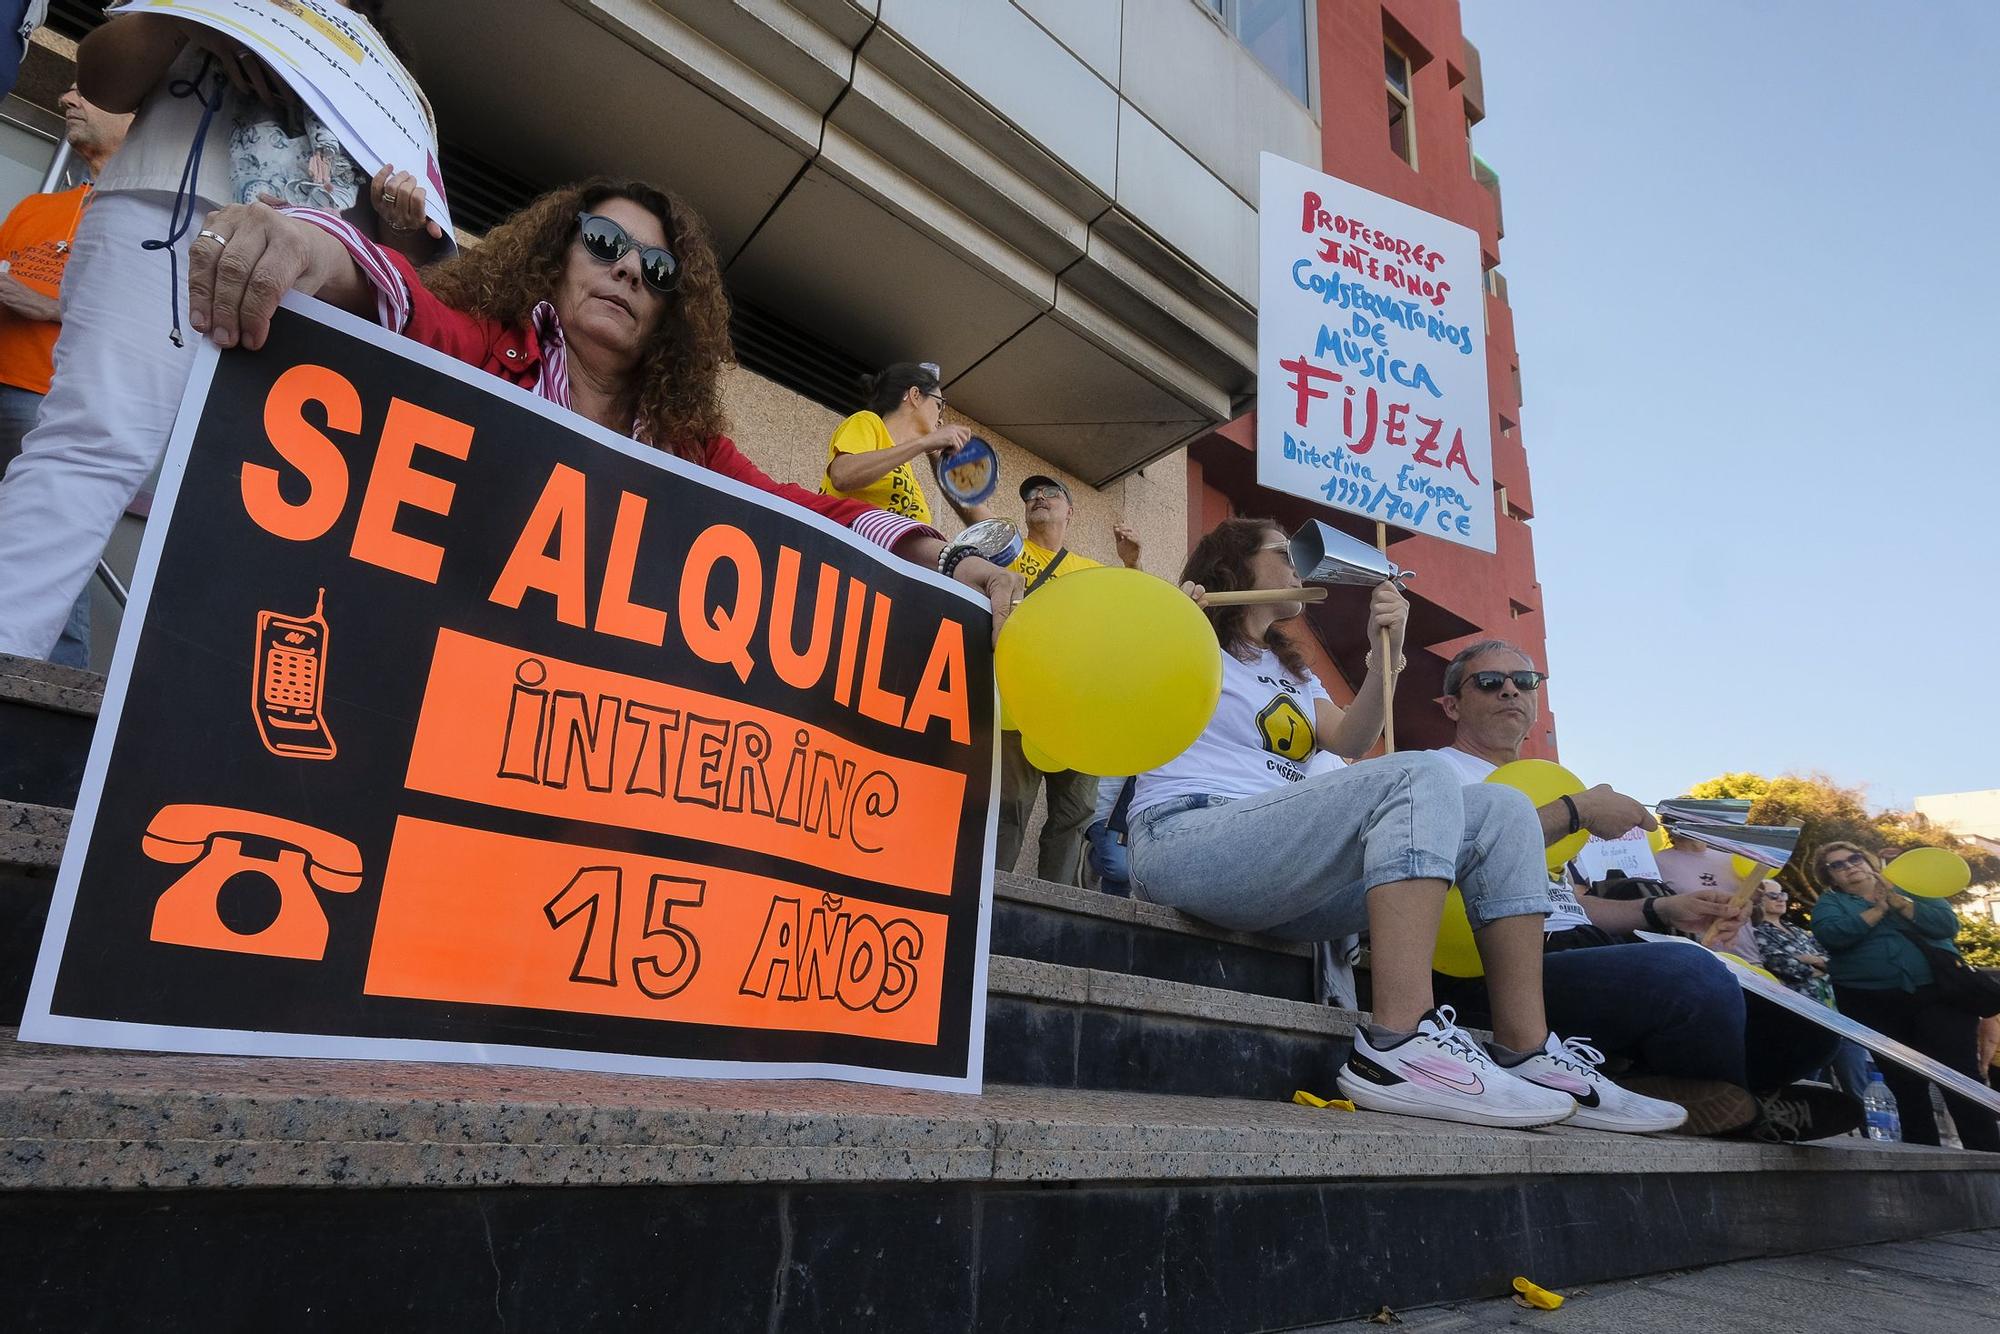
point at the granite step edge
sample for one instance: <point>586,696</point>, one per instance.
<point>44,685</point>
<point>1029,891</point>
<point>31,836</point>
<point>1056,983</point>
<point>1388,1149</point>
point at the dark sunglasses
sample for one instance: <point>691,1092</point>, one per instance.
<point>1489,682</point>
<point>1844,863</point>
<point>607,243</point>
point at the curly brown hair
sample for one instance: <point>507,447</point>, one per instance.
<point>520,263</point>
<point>1220,563</point>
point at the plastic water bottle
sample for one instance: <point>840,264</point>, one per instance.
<point>1883,1123</point>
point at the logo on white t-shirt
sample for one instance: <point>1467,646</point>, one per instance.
<point>1285,729</point>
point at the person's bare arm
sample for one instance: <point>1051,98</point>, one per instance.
<point>119,63</point>
<point>23,301</point>
<point>1601,810</point>
<point>852,472</point>
<point>1690,913</point>
<point>1349,732</point>
<point>1003,587</point>
<point>235,282</point>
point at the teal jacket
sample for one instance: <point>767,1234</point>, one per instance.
<point>1880,957</point>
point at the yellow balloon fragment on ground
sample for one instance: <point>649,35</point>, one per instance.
<point>1538,1297</point>
<point>1305,1099</point>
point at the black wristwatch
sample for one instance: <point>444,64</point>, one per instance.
<point>1652,915</point>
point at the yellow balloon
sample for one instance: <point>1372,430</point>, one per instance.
<point>1007,723</point>
<point>1040,758</point>
<point>1746,868</point>
<point>1544,781</point>
<point>1929,873</point>
<point>1119,670</point>
<point>1657,839</point>
<point>1457,955</point>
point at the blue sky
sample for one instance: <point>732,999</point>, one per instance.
<point>1753,252</point>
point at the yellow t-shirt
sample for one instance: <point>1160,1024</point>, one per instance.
<point>898,492</point>
<point>1034,558</point>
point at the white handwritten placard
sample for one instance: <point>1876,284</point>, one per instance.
<point>1371,357</point>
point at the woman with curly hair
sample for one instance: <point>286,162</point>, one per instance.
<point>1259,826</point>
<point>604,298</point>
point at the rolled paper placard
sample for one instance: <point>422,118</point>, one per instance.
<point>970,474</point>
<point>1251,597</point>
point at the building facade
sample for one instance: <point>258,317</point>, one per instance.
<point>1397,92</point>
<point>1055,200</point>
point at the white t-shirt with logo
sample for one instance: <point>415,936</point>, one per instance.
<point>1260,738</point>
<point>1567,911</point>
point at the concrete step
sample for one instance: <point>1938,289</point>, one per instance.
<point>46,717</point>
<point>1034,919</point>
<point>182,1192</point>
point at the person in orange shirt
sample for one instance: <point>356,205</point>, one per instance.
<point>35,243</point>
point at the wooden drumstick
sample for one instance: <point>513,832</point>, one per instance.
<point>1251,597</point>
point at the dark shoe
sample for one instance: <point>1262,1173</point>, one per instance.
<point>1806,1111</point>
<point>1714,1106</point>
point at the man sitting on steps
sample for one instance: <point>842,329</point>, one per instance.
<point>1676,1013</point>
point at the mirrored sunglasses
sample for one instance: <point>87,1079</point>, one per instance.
<point>607,243</point>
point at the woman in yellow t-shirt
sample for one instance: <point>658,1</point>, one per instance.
<point>871,453</point>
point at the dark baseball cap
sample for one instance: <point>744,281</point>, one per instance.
<point>1042,479</point>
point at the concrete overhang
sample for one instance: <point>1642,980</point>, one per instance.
<point>860,192</point>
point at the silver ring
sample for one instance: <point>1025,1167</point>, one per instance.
<point>388,197</point>
<point>216,237</point>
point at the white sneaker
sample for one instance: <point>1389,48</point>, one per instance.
<point>1570,1066</point>
<point>1441,1073</point>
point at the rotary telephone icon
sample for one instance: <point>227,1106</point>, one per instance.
<point>220,840</point>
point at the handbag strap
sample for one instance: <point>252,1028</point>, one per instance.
<point>1048,572</point>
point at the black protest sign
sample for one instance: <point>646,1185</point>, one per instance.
<point>447,725</point>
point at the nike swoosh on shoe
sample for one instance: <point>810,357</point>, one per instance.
<point>1457,1081</point>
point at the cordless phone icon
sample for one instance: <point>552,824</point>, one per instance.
<point>291,682</point>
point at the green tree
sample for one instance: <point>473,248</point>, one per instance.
<point>1979,941</point>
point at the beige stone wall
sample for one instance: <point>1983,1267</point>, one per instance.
<point>786,435</point>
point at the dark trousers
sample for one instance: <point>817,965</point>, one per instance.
<point>1072,801</point>
<point>1669,1010</point>
<point>1946,1034</point>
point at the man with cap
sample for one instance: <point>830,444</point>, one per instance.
<point>1045,555</point>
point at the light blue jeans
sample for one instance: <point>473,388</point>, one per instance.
<point>18,410</point>
<point>1298,861</point>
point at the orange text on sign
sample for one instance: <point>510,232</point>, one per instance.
<point>734,605</point>
<point>469,916</point>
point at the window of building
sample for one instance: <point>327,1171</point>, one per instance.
<point>1402,109</point>
<point>1277,34</point>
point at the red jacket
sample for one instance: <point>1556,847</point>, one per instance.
<point>514,352</point>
